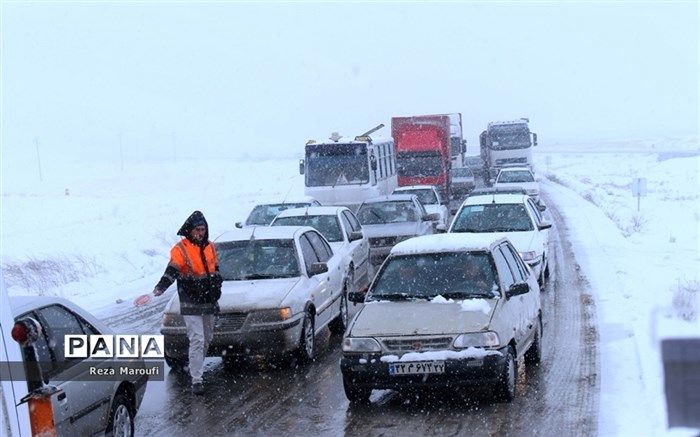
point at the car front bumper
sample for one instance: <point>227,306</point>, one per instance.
<point>271,340</point>
<point>368,371</point>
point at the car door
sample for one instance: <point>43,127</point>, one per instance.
<point>444,213</point>
<point>424,227</point>
<point>360,254</point>
<point>511,317</point>
<point>330,282</point>
<point>526,302</point>
<point>317,283</point>
<point>542,235</point>
<point>84,400</point>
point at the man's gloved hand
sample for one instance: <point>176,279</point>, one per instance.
<point>157,292</point>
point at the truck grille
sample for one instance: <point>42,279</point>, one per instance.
<point>416,344</point>
<point>230,321</point>
<point>382,241</point>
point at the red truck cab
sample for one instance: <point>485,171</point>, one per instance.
<point>423,151</point>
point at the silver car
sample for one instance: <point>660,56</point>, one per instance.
<point>391,219</point>
<point>444,310</point>
<point>83,406</point>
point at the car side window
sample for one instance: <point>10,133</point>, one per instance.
<point>60,322</point>
<point>354,222</point>
<point>420,207</point>
<point>307,251</point>
<point>437,196</point>
<point>323,252</point>
<point>518,274</point>
<point>534,210</point>
<point>504,272</point>
<point>346,225</point>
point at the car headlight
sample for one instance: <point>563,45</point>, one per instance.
<point>269,316</point>
<point>528,256</point>
<point>173,320</point>
<point>361,345</point>
<point>477,339</point>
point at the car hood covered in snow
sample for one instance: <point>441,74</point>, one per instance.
<point>381,319</point>
<point>248,295</point>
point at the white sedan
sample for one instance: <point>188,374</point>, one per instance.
<point>518,177</point>
<point>429,196</point>
<point>344,233</point>
<point>282,285</point>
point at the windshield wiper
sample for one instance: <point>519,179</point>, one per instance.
<point>468,230</point>
<point>394,296</point>
<point>467,294</point>
<point>258,276</point>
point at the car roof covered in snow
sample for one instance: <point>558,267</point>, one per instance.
<point>446,243</point>
<point>285,200</point>
<point>414,187</point>
<point>263,233</point>
<point>311,210</point>
<point>484,198</point>
<point>391,198</point>
<point>23,304</point>
<point>514,169</point>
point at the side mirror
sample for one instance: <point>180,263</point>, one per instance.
<point>534,139</point>
<point>492,181</point>
<point>441,229</point>
<point>317,269</point>
<point>544,225</point>
<point>301,166</point>
<point>541,207</point>
<point>517,289</point>
<point>431,217</point>
<point>239,225</point>
<point>356,296</point>
<point>356,235</point>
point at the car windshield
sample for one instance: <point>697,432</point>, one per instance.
<point>426,196</point>
<point>411,164</point>
<point>452,275</point>
<point>494,217</point>
<point>462,172</point>
<point>511,176</point>
<point>257,259</point>
<point>336,164</point>
<point>327,225</point>
<point>264,214</point>
<point>376,213</point>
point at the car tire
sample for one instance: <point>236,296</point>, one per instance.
<point>505,387</point>
<point>307,343</point>
<point>340,323</point>
<point>177,364</point>
<point>121,417</point>
<point>533,356</point>
<point>356,395</point>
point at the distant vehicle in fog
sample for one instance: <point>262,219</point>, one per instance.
<point>346,173</point>
<point>431,200</point>
<point>505,143</point>
<point>462,182</point>
<point>263,214</point>
<point>518,177</point>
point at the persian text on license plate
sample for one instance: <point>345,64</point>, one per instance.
<point>416,368</point>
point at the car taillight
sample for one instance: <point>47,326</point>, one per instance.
<point>20,333</point>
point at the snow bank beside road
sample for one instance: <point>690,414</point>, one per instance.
<point>635,263</point>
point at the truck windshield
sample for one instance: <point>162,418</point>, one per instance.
<point>413,164</point>
<point>336,164</point>
<point>514,136</point>
<point>264,214</point>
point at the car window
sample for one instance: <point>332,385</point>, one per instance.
<point>504,272</point>
<point>346,225</point>
<point>387,212</point>
<point>264,214</point>
<point>257,259</point>
<point>421,208</point>
<point>425,195</point>
<point>515,176</point>
<point>518,275</point>
<point>307,252</point>
<point>521,264</point>
<point>59,322</point>
<point>461,172</point>
<point>494,217</point>
<point>536,212</point>
<point>356,226</point>
<point>327,225</point>
<point>323,252</point>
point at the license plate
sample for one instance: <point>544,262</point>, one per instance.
<point>417,368</point>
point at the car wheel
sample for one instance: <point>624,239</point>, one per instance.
<point>505,387</point>
<point>340,323</point>
<point>121,418</point>
<point>533,356</point>
<point>307,343</point>
<point>356,395</point>
<point>177,364</point>
<point>546,271</point>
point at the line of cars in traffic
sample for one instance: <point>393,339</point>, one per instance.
<point>460,307</point>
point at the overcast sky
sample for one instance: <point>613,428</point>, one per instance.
<point>197,79</point>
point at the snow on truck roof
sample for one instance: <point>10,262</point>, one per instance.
<point>414,187</point>
<point>311,210</point>
<point>263,233</point>
<point>497,123</point>
<point>446,243</point>
<point>374,139</point>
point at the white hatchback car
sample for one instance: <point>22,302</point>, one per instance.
<point>282,285</point>
<point>444,310</point>
<point>518,177</point>
<point>515,216</point>
<point>344,233</point>
<point>429,196</point>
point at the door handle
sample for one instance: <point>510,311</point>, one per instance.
<point>61,396</point>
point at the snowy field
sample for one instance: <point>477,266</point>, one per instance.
<point>97,234</point>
